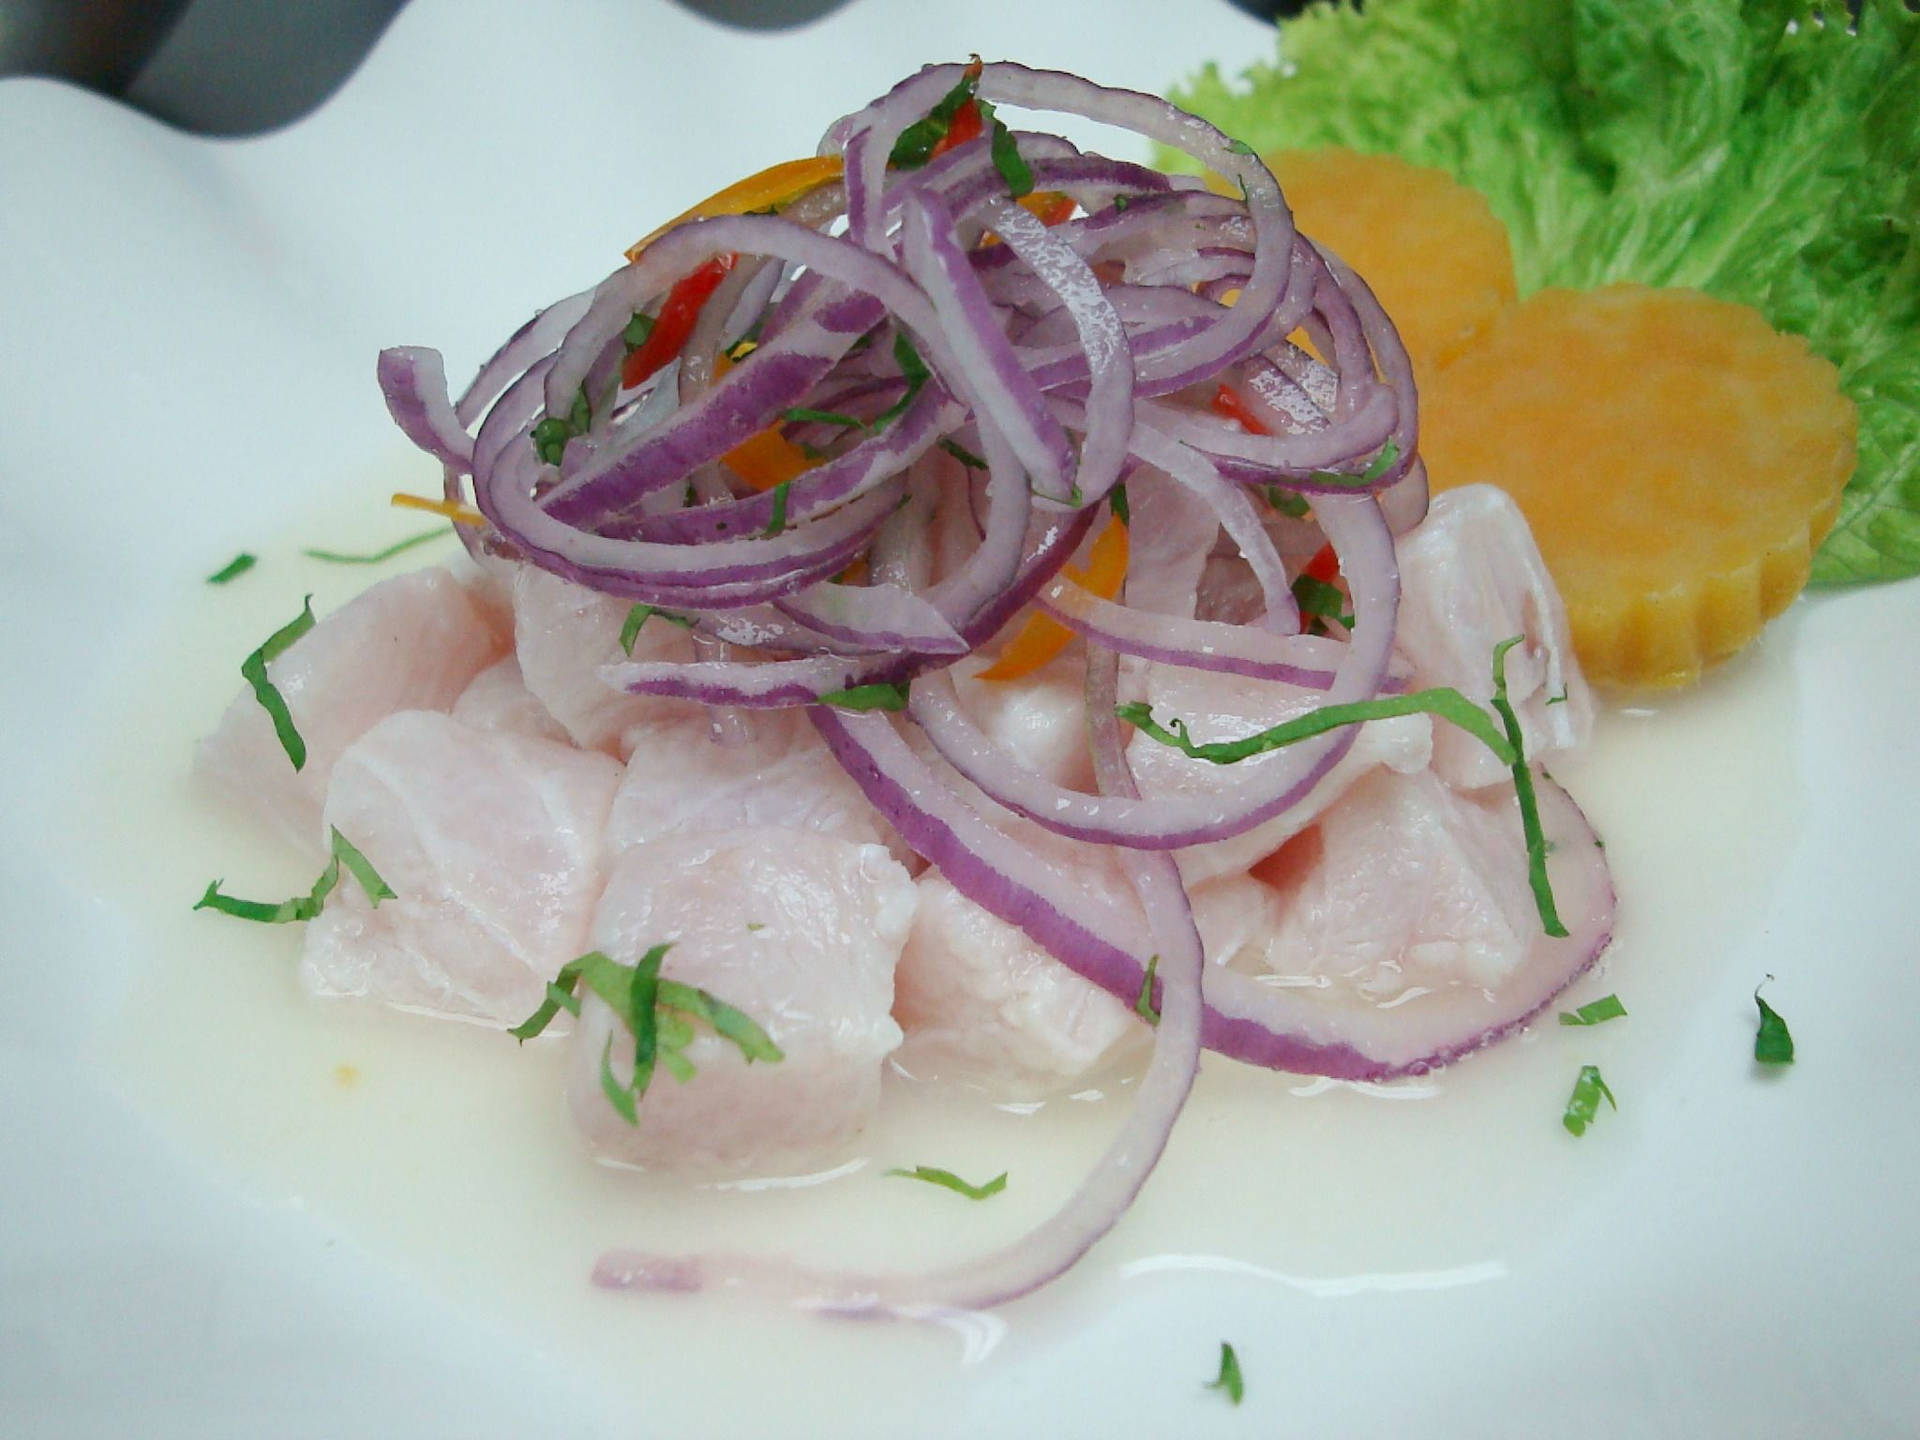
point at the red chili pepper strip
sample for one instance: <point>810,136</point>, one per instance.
<point>678,315</point>
<point>965,125</point>
<point>1227,403</point>
<point>1324,566</point>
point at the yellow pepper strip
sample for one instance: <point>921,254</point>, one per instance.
<point>767,459</point>
<point>455,510</point>
<point>776,187</point>
<point>1044,637</point>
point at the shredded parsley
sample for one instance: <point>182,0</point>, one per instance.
<point>233,569</point>
<point>1381,463</point>
<point>1229,1378</point>
<point>336,557</point>
<point>1007,158</point>
<point>638,616</point>
<point>946,1178</point>
<point>1320,601</point>
<point>1442,700</point>
<point>868,697</point>
<point>919,140</point>
<point>1598,1012</point>
<point>1584,1104</point>
<point>1143,1002</point>
<point>1523,792</point>
<point>778,521</point>
<point>303,907</point>
<point>1290,503</point>
<point>960,452</point>
<point>914,370</point>
<point>658,1012</point>
<point>1772,1042</point>
<point>253,670</point>
<point>800,415</point>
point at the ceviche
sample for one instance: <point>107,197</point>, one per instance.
<point>953,608</point>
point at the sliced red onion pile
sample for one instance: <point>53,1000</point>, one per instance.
<point>1064,358</point>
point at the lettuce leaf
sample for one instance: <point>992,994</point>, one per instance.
<point>1765,152</point>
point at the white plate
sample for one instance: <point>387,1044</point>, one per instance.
<point>187,331</point>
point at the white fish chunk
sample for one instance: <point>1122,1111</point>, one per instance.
<point>563,635</point>
<point>799,931</point>
<point>982,1004</point>
<point>498,699</point>
<point>492,844</point>
<point>1040,719</point>
<point>1471,576</point>
<point>409,643</point>
<point>1226,707</point>
<point>771,771</point>
<point>1403,885</point>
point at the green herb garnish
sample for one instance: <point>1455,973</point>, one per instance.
<point>335,557</point>
<point>1320,601</point>
<point>1379,466</point>
<point>1229,1378</point>
<point>640,329</point>
<point>916,374</point>
<point>868,697</point>
<point>638,617</point>
<point>1143,1002</point>
<point>1290,503</point>
<point>946,1178</point>
<point>960,452</point>
<point>1772,1042</point>
<point>303,907</point>
<point>658,1012</point>
<point>253,670</point>
<point>233,569</point>
<point>1523,792</point>
<point>1443,701</point>
<point>918,141</point>
<point>778,520</point>
<point>1007,158</point>
<point>1584,1104</point>
<point>800,415</point>
<point>1597,1012</point>
<point>1118,503</point>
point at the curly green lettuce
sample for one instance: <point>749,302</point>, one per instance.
<point>1766,152</point>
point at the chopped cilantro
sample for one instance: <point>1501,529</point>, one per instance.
<point>659,1014</point>
<point>960,452</point>
<point>916,373</point>
<point>1523,793</point>
<point>917,142</point>
<point>1772,1042</point>
<point>802,416</point>
<point>1381,463</point>
<point>946,1178</point>
<point>778,520</point>
<point>1117,502</point>
<point>868,697</point>
<point>1239,147</point>
<point>1444,701</point>
<point>1584,1104</point>
<point>1007,158</point>
<point>1597,1012</point>
<point>638,616</point>
<point>253,670</point>
<point>1290,503</point>
<point>1143,1002</point>
<point>638,330</point>
<point>303,907</point>
<point>1319,601</point>
<point>375,557</point>
<point>1120,203</point>
<point>232,570</point>
<point>1229,1378</point>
